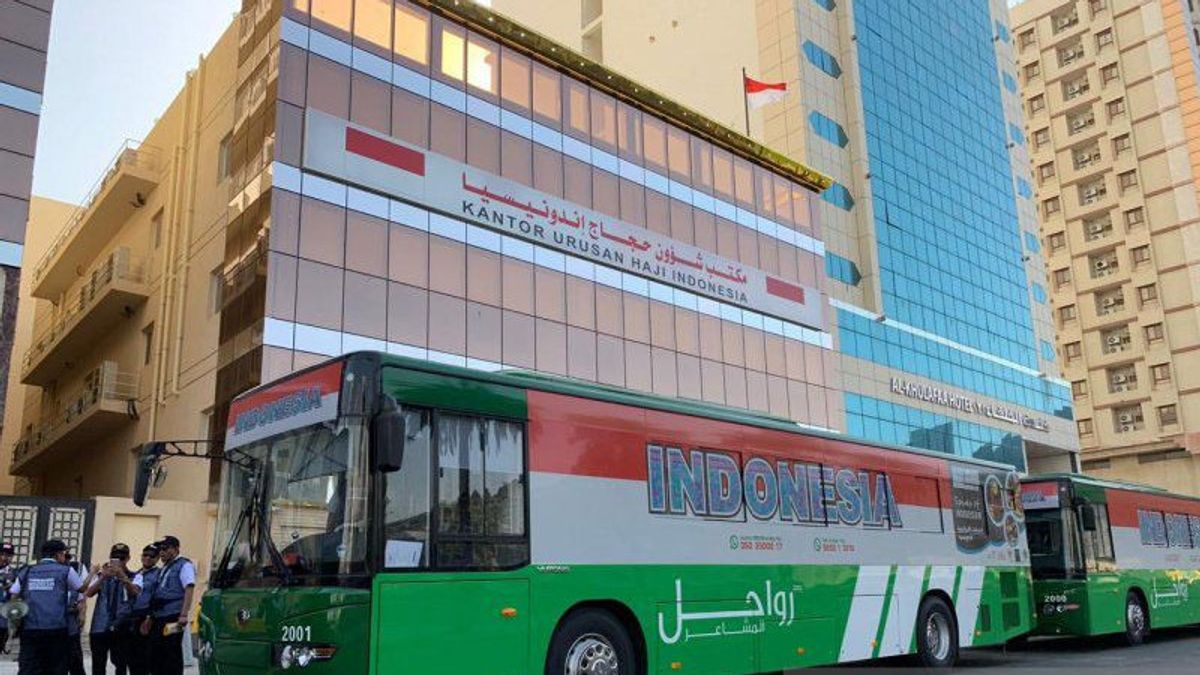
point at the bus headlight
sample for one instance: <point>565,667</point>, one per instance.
<point>287,657</point>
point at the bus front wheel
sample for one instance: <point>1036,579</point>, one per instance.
<point>1137,621</point>
<point>937,634</point>
<point>591,642</point>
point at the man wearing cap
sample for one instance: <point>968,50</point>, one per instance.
<point>117,590</point>
<point>138,648</point>
<point>46,588</point>
<point>8,574</point>
<point>170,606</point>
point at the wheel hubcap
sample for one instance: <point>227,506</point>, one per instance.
<point>937,637</point>
<point>591,655</point>
<point>1135,617</point>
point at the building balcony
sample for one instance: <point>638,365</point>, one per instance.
<point>103,404</point>
<point>111,291</point>
<point>123,189</point>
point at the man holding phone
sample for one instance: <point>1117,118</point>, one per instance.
<point>116,588</point>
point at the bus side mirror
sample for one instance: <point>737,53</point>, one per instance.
<point>389,440</point>
<point>1089,519</point>
<point>146,470</point>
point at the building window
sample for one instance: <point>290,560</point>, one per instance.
<point>1097,6</point>
<point>1062,277</point>
<point>1025,40</point>
<point>839,196</point>
<point>1134,217</point>
<point>1161,374</point>
<point>1067,314</point>
<point>1128,418</point>
<point>223,157</point>
<point>1121,145</point>
<point>1147,293</point>
<point>1080,121</point>
<point>156,229</point>
<point>828,129</point>
<point>1056,241</point>
<point>1051,206</point>
<point>1079,388</point>
<point>1046,171</point>
<point>1168,416</point>
<point>1085,427</point>
<point>1037,104</point>
<point>1104,38</point>
<point>412,34</point>
<point>827,5</point>
<point>147,344</point>
<point>823,60</point>
<point>1109,73</point>
<point>1072,351</point>
<point>1140,255</point>
<point>1154,333</point>
<point>1127,179</point>
<point>216,289</point>
<point>1041,137</point>
<point>1116,108</point>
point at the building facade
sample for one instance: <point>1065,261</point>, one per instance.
<point>934,265</point>
<point>1110,92</point>
<point>24,36</point>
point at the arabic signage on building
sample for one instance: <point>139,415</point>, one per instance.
<point>337,148</point>
<point>947,399</point>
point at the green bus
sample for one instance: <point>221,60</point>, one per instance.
<point>381,514</point>
<point>1111,557</point>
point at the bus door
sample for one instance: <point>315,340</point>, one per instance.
<point>1105,597</point>
<point>453,597</point>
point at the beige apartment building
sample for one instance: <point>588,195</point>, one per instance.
<point>1112,104</point>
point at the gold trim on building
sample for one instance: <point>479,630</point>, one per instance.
<point>536,45</point>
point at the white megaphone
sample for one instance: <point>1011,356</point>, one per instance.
<point>14,610</point>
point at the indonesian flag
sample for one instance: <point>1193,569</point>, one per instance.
<point>759,94</point>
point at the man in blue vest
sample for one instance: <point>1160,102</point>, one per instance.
<point>8,574</point>
<point>116,590</point>
<point>46,588</point>
<point>146,579</point>
<point>170,607</point>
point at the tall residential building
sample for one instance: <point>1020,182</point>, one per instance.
<point>24,35</point>
<point>934,265</point>
<point>1112,101</point>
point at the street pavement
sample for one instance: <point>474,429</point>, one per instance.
<point>1168,651</point>
<point>8,662</point>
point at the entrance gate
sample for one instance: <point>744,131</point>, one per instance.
<point>26,522</point>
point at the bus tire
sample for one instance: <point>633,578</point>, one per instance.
<point>937,633</point>
<point>591,642</point>
<point>1137,619</point>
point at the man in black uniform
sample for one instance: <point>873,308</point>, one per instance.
<point>46,588</point>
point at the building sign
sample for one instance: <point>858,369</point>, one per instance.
<point>938,396</point>
<point>1039,496</point>
<point>345,151</point>
<point>308,398</point>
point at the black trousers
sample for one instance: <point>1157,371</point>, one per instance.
<point>166,651</point>
<point>4,640</point>
<point>111,645</point>
<point>43,653</point>
<point>137,650</point>
<point>75,655</point>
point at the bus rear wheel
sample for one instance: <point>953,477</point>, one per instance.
<point>937,634</point>
<point>1137,621</point>
<point>591,642</point>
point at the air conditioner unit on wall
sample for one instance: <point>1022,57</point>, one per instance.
<point>1126,428</point>
<point>1125,418</point>
<point>1119,379</point>
<point>1114,340</point>
<point>1097,228</point>
<point>1101,264</point>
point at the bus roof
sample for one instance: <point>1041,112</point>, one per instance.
<point>1107,483</point>
<point>601,392</point>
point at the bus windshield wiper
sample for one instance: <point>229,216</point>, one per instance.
<point>264,533</point>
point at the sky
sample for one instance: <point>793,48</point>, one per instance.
<point>113,67</point>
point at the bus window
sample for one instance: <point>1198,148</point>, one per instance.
<point>1178,535</point>
<point>481,493</point>
<point>406,505</point>
<point>1054,545</point>
<point>1097,538</point>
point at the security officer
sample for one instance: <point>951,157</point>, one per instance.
<point>146,580</point>
<point>8,574</point>
<point>46,588</point>
<point>109,635</point>
<point>170,605</point>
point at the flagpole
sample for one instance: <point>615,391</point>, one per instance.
<point>746,101</point>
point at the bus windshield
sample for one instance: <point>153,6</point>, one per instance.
<point>1054,546</point>
<point>297,509</point>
